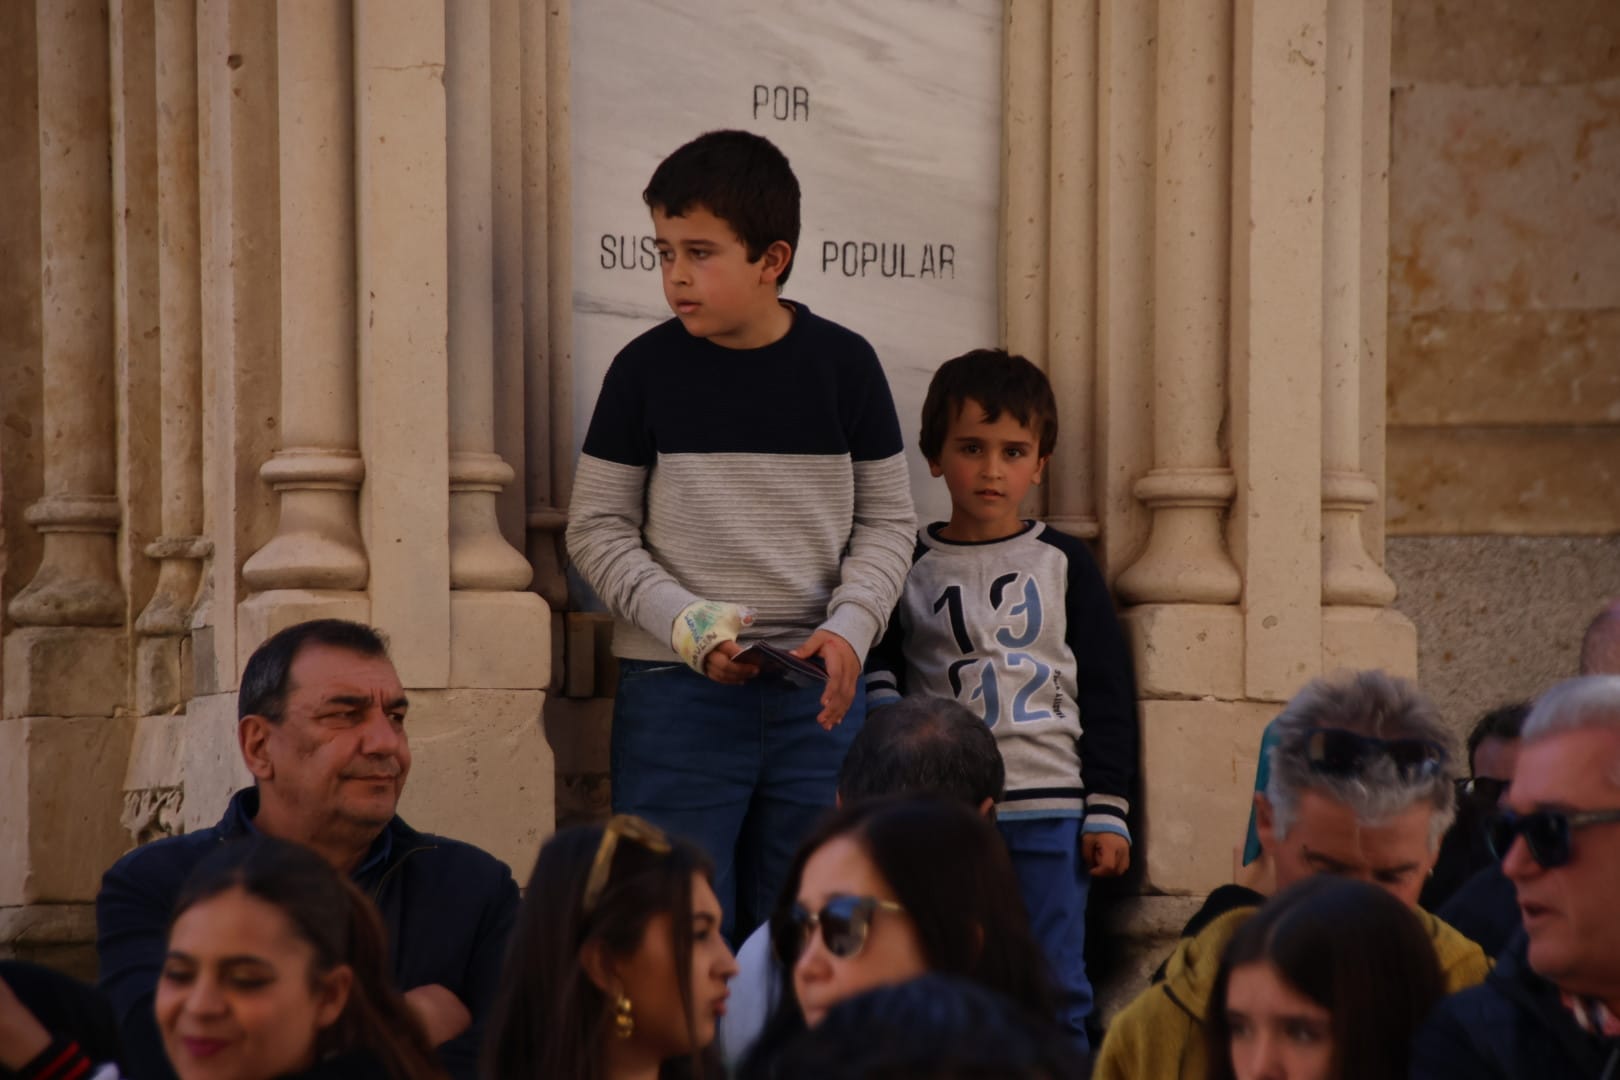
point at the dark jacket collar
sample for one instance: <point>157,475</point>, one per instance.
<point>395,841</point>
<point>1538,996</point>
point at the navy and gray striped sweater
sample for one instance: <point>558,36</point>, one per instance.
<point>770,477</point>
<point>1023,632</point>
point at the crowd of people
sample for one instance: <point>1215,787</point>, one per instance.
<point>885,766</point>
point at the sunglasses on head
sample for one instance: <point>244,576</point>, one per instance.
<point>1337,752</point>
<point>629,827</point>
<point>1547,833</point>
<point>844,922</point>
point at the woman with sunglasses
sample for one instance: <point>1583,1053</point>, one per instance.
<point>887,890</point>
<point>1328,981</point>
<point>617,969</point>
<point>277,967</point>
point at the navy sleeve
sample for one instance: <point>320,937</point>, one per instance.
<point>886,667</point>
<point>1110,735</point>
<point>871,422</point>
<point>483,976</point>
<point>132,928</point>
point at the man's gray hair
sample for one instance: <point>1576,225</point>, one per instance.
<point>1367,703</point>
<point>1589,702</point>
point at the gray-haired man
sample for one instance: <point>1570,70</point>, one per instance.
<point>1552,1006</point>
<point>1359,786</point>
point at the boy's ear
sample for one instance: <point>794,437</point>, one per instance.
<point>934,469</point>
<point>775,261</point>
<point>1040,469</point>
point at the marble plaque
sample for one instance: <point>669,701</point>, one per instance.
<point>890,113</point>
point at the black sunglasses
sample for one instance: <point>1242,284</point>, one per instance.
<point>844,922</point>
<point>1337,752</point>
<point>1546,832</point>
<point>1484,791</point>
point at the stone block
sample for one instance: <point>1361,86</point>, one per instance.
<point>1500,368</point>
<point>66,671</point>
<point>263,614</point>
<point>1366,637</point>
<point>1504,198</point>
<point>163,679</point>
<point>212,760</point>
<point>1198,766</point>
<point>154,785</point>
<point>482,771</point>
<point>1504,481</point>
<point>60,936</point>
<point>60,805</point>
<point>1186,650</point>
<point>1499,618</point>
<point>1506,42</point>
<point>499,640</point>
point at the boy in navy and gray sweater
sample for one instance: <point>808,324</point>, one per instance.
<point>1013,619</point>
<point>743,477</point>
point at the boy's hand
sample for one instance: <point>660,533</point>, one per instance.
<point>718,665</point>
<point>1107,854</point>
<point>843,668</point>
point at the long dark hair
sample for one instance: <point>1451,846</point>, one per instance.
<point>949,868</point>
<point>1353,949</point>
<point>550,1019</point>
<point>342,927</point>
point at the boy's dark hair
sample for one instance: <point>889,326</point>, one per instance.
<point>923,746</point>
<point>265,678</point>
<point>1502,722</point>
<point>740,178</point>
<point>998,381</point>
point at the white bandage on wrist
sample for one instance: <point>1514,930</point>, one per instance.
<point>702,625</point>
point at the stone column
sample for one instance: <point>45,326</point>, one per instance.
<point>63,740</point>
<point>1190,486</point>
<point>480,557</point>
<point>547,291</point>
<point>1071,306</point>
<point>77,581</point>
<point>1349,574</point>
<point>162,676</point>
<point>1048,214</point>
<point>317,548</point>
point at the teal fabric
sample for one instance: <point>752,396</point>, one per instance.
<point>1262,776</point>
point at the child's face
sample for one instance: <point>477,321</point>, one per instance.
<point>710,284</point>
<point>989,467</point>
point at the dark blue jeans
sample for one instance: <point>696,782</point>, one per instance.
<point>742,771</point>
<point>1054,880</point>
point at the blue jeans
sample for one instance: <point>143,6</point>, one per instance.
<point>742,771</point>
<point>1054,880</point>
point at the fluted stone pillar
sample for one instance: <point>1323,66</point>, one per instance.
<point>63,739</point>
<point>162,671</point>
<point>77,581</point>
<point>480,557</point>
<point>547,291</point>
<point>1349,574</point>
<point>1191,484</point>
<point>316,562</point>
<point>1048,230</point>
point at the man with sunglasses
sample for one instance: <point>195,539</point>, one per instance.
<point>1552,1006</point>
<point>1358,786</point>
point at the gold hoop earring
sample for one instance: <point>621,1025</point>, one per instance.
<point>624,1023</point>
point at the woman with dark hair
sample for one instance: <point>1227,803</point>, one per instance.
<point>617,969</point>
<point>887,890</point>
<point>1328,981</point>
<point>277,968</point>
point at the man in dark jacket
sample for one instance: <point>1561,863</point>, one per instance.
<point>1552,1007</point>
<point>321,726</point>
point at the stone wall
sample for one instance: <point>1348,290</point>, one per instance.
<point>1504,338</point>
